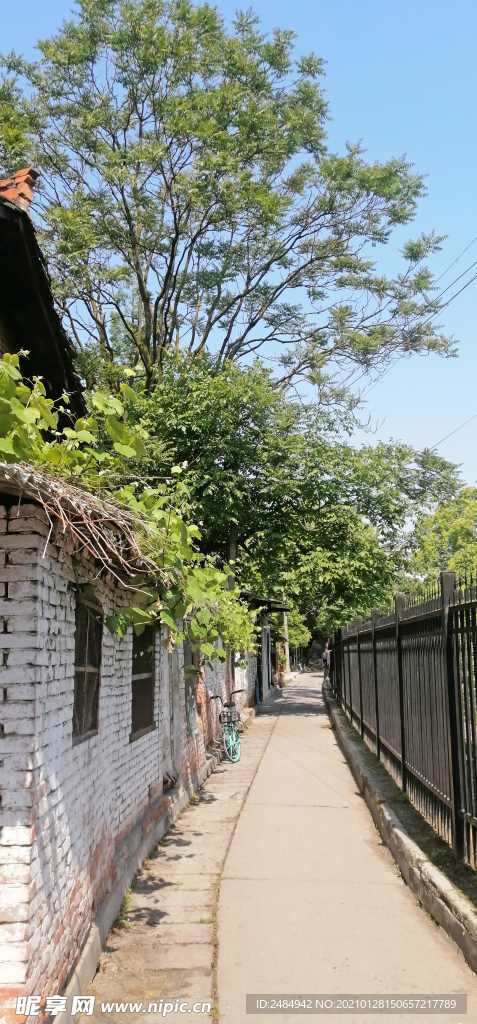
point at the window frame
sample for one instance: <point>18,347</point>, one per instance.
<point>136,735</point>
<point>96,608</point>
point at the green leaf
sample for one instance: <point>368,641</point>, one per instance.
<point>139,447</point>
<point>8,447</point>
<point>124,449</point>
<point>116,623</point>
<point>86,435</point>
<point>194,591</point>
<point>10,370</point>
<point>167,618</point>
<point>99,456</point>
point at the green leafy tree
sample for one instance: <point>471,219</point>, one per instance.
<point>445,539</point>
<point>232,434</point>
<point>193,216</point>
<point>185,591</point>
<point>298,511</point>
<point>298,633</point>
<point>188,200</point>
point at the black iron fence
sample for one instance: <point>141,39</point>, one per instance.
<point>408,682</point>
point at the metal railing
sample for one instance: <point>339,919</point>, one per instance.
<point>407,681</point>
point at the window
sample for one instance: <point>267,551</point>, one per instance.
<point>88,637</point>
<point>142,683</point>
<point>192,721</point>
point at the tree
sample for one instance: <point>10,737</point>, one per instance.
<point>233,435</point>
<point>299,511</point>
<point>188,199</point>
<point>298,633</point>
<point>445,539</point>
<point>136,533</point>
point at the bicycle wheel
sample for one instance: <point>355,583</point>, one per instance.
<point>231,743</point>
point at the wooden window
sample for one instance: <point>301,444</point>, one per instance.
<point>88,640</point>
<point>142,719</point>
<point>192,721</point>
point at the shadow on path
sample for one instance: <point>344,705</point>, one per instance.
<point>300,698</point>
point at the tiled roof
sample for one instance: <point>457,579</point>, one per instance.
<point>19,188</point>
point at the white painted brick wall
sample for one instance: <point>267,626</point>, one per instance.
<point>68,808</point>
<point>64,807</point>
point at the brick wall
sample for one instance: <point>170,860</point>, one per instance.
<point>68,808</point>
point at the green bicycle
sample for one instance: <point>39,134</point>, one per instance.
<point>228,719</point>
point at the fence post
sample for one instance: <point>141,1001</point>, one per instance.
<point>359,622</point>
<point>399,604</point>
<point>374,616</point>
<point>332,646</point>
<point>453,716</point>
<point>336,655</point>
<point>349,676</point>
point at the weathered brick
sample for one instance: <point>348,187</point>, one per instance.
<point>82,799</point>
<point>16,932</point>
<point>32,525</point>
<point>13,973</point>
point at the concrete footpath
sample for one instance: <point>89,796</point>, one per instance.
<point>310,900</point>
<point>166,945</point>
<point>275,881</point>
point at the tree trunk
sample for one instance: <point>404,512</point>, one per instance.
<point>232,556</point>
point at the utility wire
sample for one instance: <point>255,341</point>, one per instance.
<point>474,417</point>
<point>432,315</point>
<point>456,279</point>
<point>444,272</point>
<point>464,286</point>
<point>436,313</point>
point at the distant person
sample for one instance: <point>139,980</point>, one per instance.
<point>326,664</point>
<point>331,669</point>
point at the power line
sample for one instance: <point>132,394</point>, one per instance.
<point>474,417</point>
<point>441,308</point>
<point>456,279</point>
<point>380,377</point>
<point>431,317</point>
<point>464,286</point>
<point>437,312</point>
<point>444,272</point>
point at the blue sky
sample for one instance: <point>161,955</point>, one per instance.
<point>401,75</point>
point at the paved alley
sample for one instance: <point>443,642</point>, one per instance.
<point>167,946</point>
<point>275,881</point>
<point>310,900</point>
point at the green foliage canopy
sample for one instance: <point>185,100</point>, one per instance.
<point>188,593</point>
<point>309,516</point>
<point>188,199</point>
<point>446,539</point>
<point>192,216</point>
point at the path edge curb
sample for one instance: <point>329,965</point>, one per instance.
<point>436,894</point>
